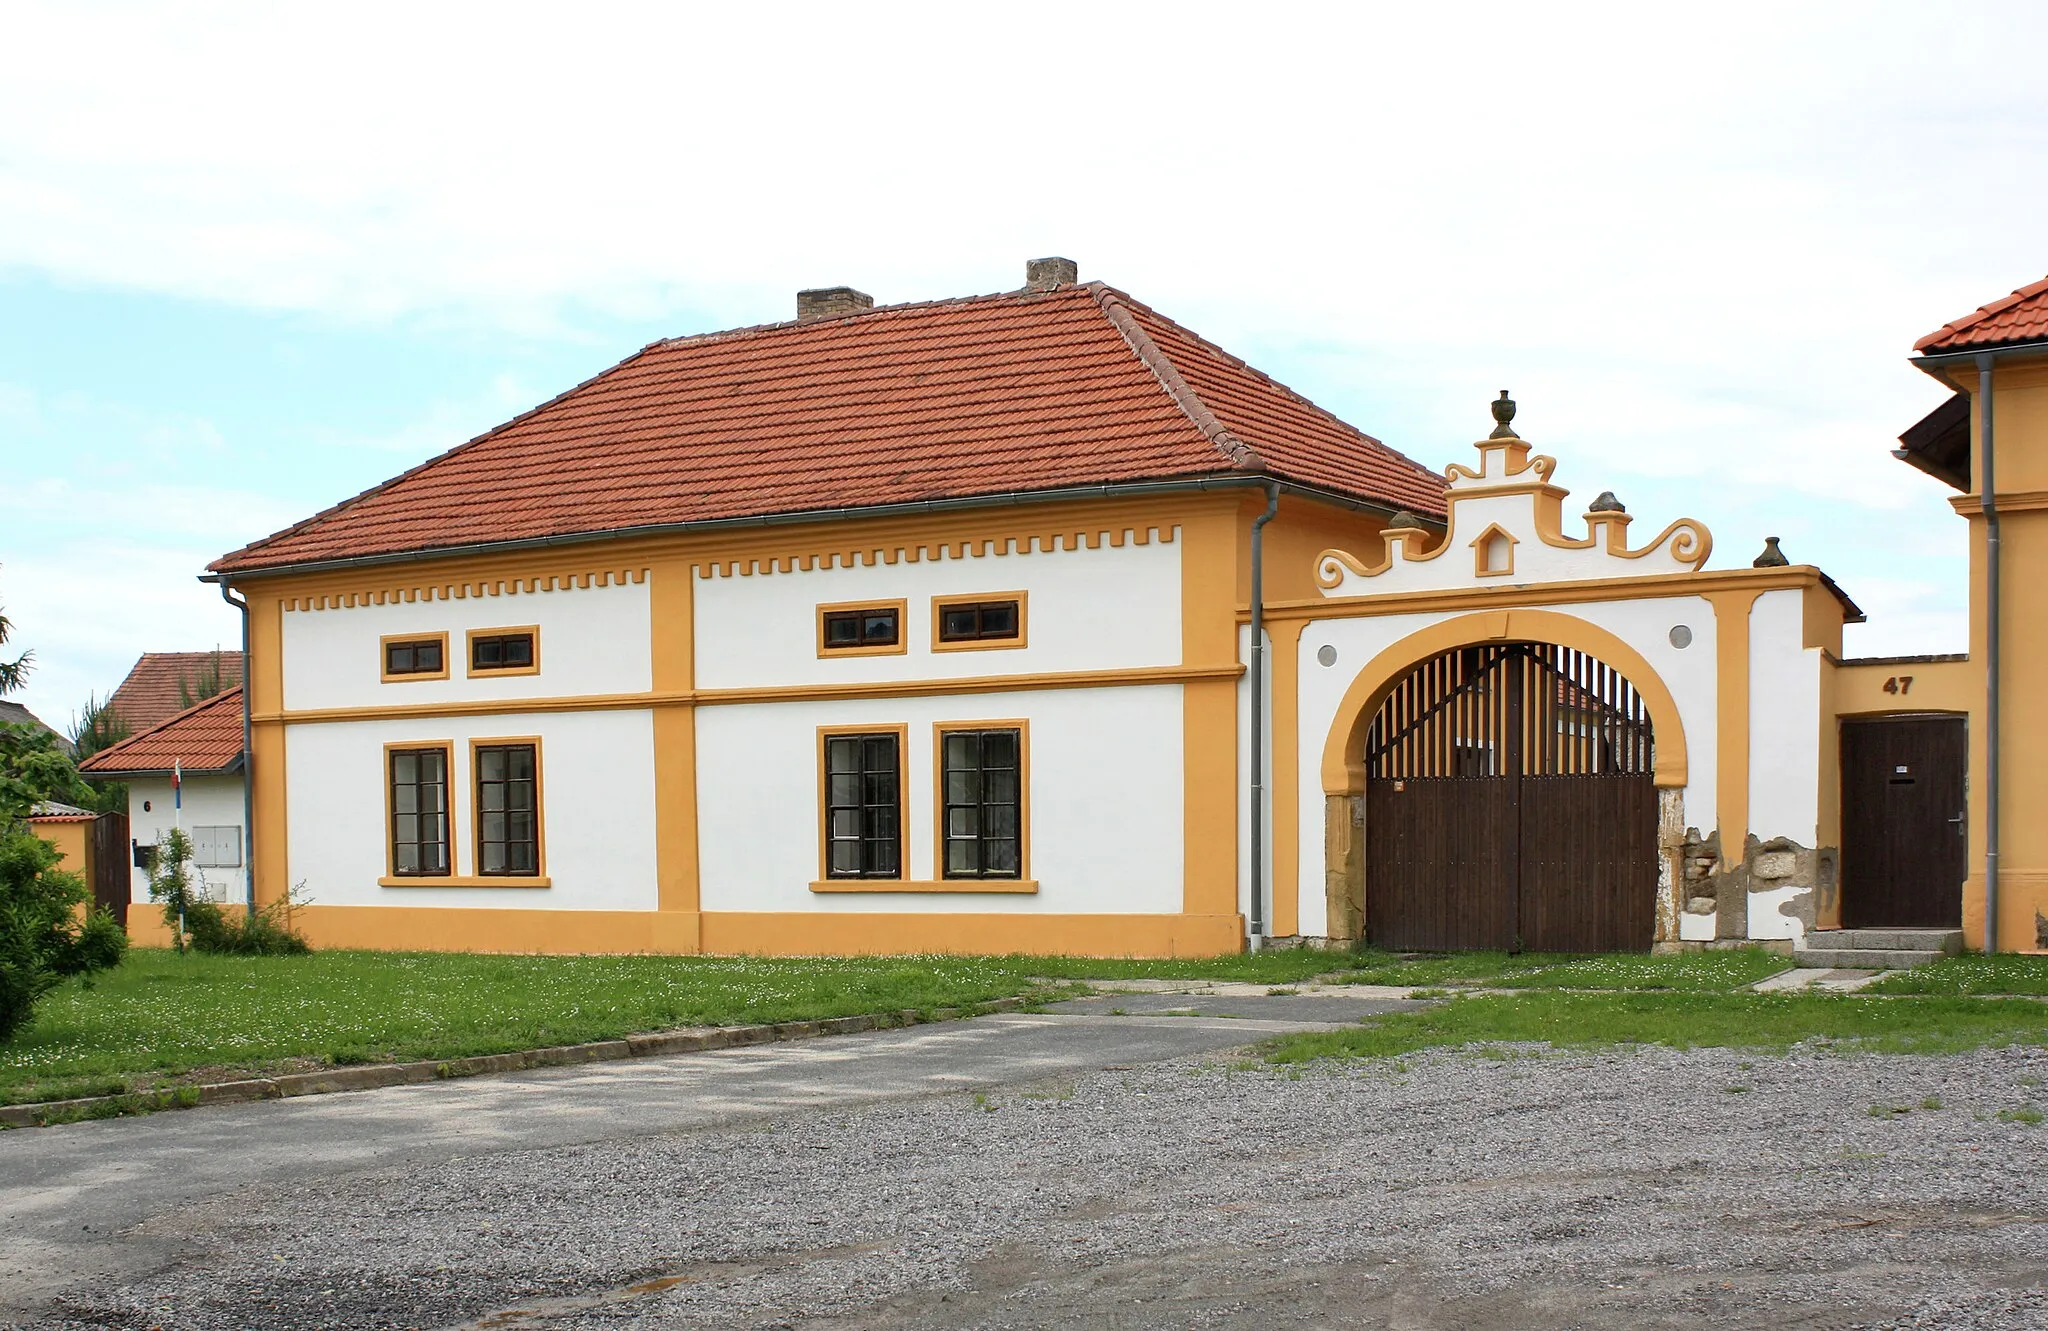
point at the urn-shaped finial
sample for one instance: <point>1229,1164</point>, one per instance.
<point>1772,557</point>
<point>1503,412</point>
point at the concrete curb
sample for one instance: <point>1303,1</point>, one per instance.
<point>372,1076</point>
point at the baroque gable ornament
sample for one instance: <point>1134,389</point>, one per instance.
<point>1507,522</point>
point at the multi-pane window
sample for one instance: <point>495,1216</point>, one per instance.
<point>507,809</point>
<point>500,651</point>
<point>415,656</point>
<point>863,806</point>
<point>979,621</point>
<point>419,812</point>
<point>982,776</point>
<point>861,627</point>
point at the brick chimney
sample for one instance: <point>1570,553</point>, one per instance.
<point>1045,274</point>
<point>831,303</point>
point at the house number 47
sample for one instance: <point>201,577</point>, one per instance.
<point>1899,684</point>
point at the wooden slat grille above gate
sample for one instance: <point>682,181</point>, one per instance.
<point>1511,803</point>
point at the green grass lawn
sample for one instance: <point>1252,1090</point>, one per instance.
<point>1697,972</point>
<point>1931,1025</point>
<point>2003,973</point>
<point>160,1018</point>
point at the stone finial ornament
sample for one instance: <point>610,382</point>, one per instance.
<point>1503,412</point>
<point>1772,557</point>
<point>1607,503</point>
<point>1403,519</point>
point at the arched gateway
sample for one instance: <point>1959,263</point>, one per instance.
<point>1510,803</point>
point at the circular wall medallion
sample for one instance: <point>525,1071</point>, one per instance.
<point>1326,654</point>
<point>1681,636</point>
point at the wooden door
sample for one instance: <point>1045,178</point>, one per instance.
<point>1905,823</point>
<point>1510,804</point>
<point>111,865</point>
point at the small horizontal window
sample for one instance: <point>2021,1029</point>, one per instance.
<point>415,656</point>
<point>978,621</point>
<point>500,651</point>
<point>874,626</point>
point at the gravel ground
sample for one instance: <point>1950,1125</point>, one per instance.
<point>1710,1188</point>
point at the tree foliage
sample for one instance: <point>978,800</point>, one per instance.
<point>43,940</point>
<point>13,673</point>
<point>97,726</point>
<point>33,768</point>
<point>208,682</point>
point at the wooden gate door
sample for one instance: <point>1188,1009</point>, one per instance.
<point>1905,825</point>
<point>1510,804</point>
<point>111,862</point>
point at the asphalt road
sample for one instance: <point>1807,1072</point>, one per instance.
<point>74,1199</point>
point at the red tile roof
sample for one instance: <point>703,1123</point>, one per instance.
<point>157,686</point>
<point>201,739</point>
<point>987,395</point>
<point>2020,317</point>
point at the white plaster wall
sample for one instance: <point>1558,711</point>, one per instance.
<point>1310,921</point>
<point>1103,609</point>
<point>597,809</point>
<point>1767,920</point>
<point>210,801</point>
<point>1688,672</point>
<point>592,640</point>
<point>1106,801</point>
<point>1784,724</point>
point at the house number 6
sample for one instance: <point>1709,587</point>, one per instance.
<point>1899,684</point>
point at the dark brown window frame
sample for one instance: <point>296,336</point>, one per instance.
<point>966,809</point>
<point>876,816</point>
<point>388,647</point>
<point>480,638</point>
<point>867,643</point>
<point>480,751</point>
<point>392,787</point>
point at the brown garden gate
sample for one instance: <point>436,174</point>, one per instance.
<point>1510,803</point>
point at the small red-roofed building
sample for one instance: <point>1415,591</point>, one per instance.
<point>185,771</point>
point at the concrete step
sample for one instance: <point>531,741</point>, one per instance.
<point>1863,959</point>
<point>1889,940</point>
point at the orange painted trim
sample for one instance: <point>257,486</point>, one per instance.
<point>1731,711</point>
<point>1344,749</point>
<point>822,820</point>
<point>270,866</point>
<point>1481,548</point>
<point>1646,586</point>
<point>476,812</point>
<point>671,605</point>
<point>888,688</point>
<point>967,886</point>
<point>897,648</point>
<point>995,933</point>
<point>1023,638</point>
<point>494,672</point>
<point>821,932</point>
<point>1211,800</point>
<point>1022,726</point>
<point>412,677</point>
<point>2016,501</point>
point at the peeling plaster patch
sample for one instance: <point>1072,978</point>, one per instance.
<point>2041,930</point>
<point>1775,864</point>
<point>1780,912</point>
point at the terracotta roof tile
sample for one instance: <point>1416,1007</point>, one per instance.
<point>985,395</point>
<point>2020,317</point>
<point>205,738</point>
<point>156,686</point>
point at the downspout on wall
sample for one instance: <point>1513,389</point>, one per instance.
<point>1255,927</point>
<point>248,759</point>
<point>1987,488</point>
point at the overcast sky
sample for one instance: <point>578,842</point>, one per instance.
<point>256,259</point>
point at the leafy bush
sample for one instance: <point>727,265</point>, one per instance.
<point>194,919</point>
<point>41,939</point>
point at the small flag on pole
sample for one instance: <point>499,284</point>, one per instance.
<point>177,785</point>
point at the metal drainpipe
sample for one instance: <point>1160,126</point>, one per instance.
<point>248,760</point>
<point>1987,487</point>
<point>1255,933</point>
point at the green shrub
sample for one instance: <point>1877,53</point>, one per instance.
<point>263,934</point>
<point>41,940</point>
<point>102,942</point>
